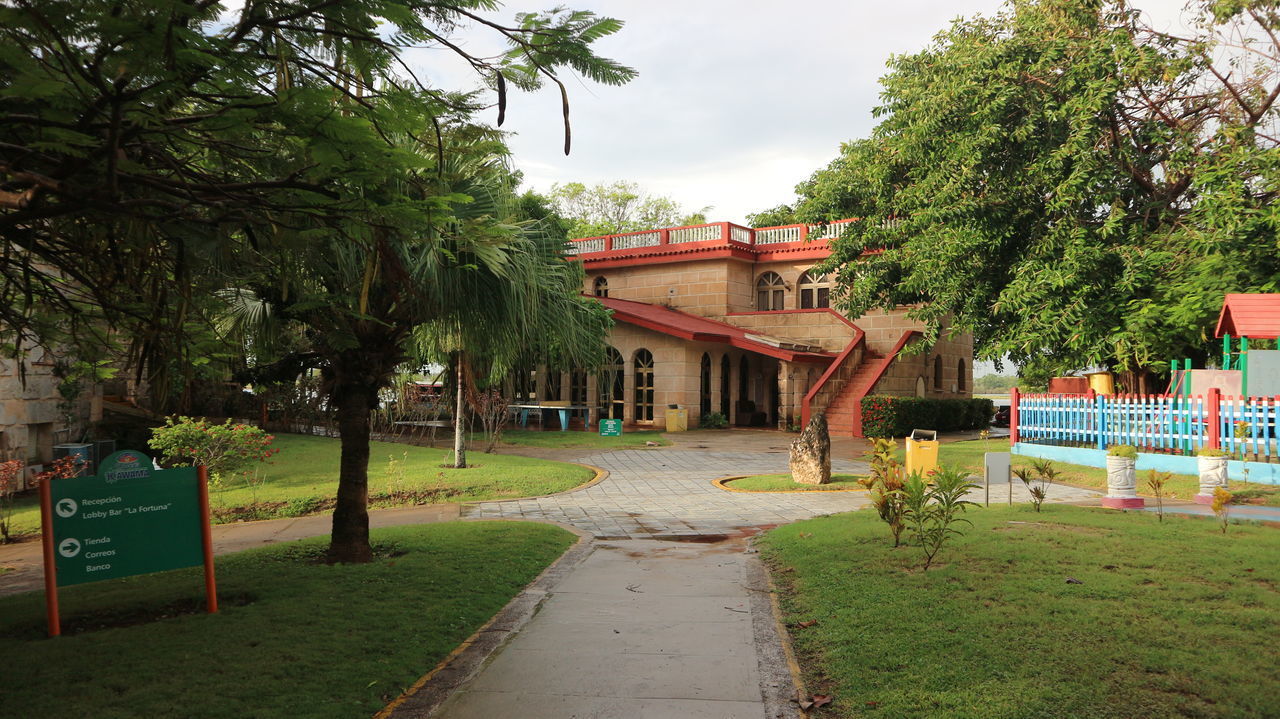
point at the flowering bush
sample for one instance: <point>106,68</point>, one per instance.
<point>226,449</point>
<point>884,416</point>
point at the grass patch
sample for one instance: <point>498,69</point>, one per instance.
<point>968,455</point>
<point>784,483</point>
<point>303,479</point>
<point>297,638</point>
<point>555,439</point>
<point>1171,619</point>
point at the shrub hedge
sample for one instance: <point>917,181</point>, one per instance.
<point>884,416</point>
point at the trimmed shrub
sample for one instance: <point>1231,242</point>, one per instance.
<point>884,416</point>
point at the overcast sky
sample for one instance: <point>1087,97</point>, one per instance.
<point>736,100</point>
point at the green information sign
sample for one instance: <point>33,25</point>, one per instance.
<point>130,519</point>
<point>610,428</point>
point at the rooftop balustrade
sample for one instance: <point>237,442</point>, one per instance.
<point>710,235</point>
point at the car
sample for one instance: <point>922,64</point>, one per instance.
<point>1002,417</point>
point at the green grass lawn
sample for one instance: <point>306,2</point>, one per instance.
<point>784,483</point>
<point>572,438</point>
<point>303,479</point>
<point>295,637</point>
<point>1182,486</point>
<point>1171,619</point>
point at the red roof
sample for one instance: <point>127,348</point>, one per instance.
<point>700,329</point>
<point>1255,316</point>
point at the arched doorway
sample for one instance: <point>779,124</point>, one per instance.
<point>704,407</point>
<point>643,365</point>
<point>611,395</point>
<point>724,386</point>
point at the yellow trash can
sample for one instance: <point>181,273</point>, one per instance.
<point>922,451</point>
<point>1101,382</point>
<point>677,420</point>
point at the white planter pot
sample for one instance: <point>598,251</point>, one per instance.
<point>1213,474</point>
<point>1122,478</point>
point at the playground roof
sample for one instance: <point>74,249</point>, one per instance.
<point>1255,316</point>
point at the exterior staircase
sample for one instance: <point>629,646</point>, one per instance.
<point>841,395</point>
<point>844,413</point>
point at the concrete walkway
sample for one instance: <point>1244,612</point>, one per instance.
<point>639,629</point>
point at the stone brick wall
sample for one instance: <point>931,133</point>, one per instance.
<point>701,288</point>
<point>820,327</point>
<point>31,421</point>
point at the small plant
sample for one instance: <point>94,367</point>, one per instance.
<point>1127,451</point>
<point>10,473</point>
<point>1155,483</point>
<point>1241,432</point>
<point>227,449</point>
<point>395,472</point>
<point>885,484</point>
<point>491,407</point>
<point>1221,506</point>
<point>1211,452</point>
<point>932,510</point>
<point>713,420</point>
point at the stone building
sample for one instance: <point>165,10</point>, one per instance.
<point>723,318</point>
<point>34,414</point>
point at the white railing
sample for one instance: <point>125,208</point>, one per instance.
<point>578,247</point>
<point>642,239</point>
<point>830,232</point>
<point>740,234</point>
<point>696,234</point>
<point>774,235</point>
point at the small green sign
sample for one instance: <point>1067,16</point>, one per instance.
<point>610,428</point>
<point>130,519</point>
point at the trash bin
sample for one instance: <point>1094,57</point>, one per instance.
<point>677,419</point>
<point>83,454</point>
<point>1101,382</point>
<point>922,451</point>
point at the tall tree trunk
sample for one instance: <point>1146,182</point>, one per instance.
<point>353,396</point>
<point>459,421</point>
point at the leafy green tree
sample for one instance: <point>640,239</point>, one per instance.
<point>154,151</point>
<point>1069,185</point>
<point>608,209</point>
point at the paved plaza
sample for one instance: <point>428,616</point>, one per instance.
<point>667,493</point>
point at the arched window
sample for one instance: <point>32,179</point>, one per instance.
<point>644,385</point>
<point>611,394</point>
<point>960,375</point>
<point>770,291</point>
<point>600,288</point>
<point>815,291</point>
<point>705,386</point>
<point>724,386</point>
<point>937,371</point>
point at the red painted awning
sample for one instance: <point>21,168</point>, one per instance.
<point>1256,316</point>
<point>700,329</point>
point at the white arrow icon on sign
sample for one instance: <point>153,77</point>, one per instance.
<point>66,507</point>
<point>69,547</point>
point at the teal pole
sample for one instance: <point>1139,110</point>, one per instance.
<point>1226,352</point>
<point>1244,366</point>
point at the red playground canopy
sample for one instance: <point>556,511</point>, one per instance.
<point>1254,316</point>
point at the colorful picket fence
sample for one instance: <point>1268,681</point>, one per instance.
<point>1242,426</point>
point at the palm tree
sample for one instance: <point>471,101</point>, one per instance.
<point>455,274</point>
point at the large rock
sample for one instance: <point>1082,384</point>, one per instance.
<point>811,453</point>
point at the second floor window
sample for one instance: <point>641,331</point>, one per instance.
<point>770,291</point>
<point>815,291</point>
<point>600,288</point>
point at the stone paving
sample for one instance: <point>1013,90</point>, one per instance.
<point>668,493</point>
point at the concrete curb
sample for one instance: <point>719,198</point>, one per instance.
<point>466,661</point>
<point>722,483</point>
<point>780,680</point>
